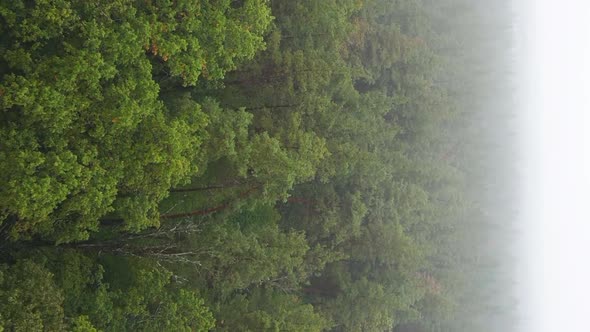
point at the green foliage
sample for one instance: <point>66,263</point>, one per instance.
<point>250,249</point>
<point>228,135</point>
<point>242,165</point>
<point>371,307</point>
<point>78,298</point>
<point>29,298</point>
<point>83,324</point>
<point>172,31</point>
<point>83,130</point>
<point>267,310</point>
<point>151,303</point>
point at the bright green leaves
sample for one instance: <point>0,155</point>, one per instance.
<point>176,30</point>
<point>82,324</point>
<point>83,130</point>
<point>189,313</point>
<point>165,156</point>
<point>87,144</point>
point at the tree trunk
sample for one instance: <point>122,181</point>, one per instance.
<point>204,212</point>
<point>215,186</point>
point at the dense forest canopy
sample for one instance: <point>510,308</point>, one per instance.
<point>254,165</point>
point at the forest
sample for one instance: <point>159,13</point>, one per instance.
<point>255,165</point>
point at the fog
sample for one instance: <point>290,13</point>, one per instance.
<point>552,52</point>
